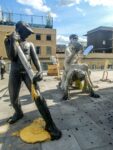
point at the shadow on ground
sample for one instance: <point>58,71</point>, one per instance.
<point>87,120</point>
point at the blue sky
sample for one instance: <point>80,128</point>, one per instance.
<point>70,16</point>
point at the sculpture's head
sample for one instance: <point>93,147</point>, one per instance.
<point>23,29</point>
<point>74,44</point>
<point>78,75</point>
<point>73,37</point>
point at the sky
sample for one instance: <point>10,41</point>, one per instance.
<point>70,16</point>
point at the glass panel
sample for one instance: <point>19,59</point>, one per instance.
<point>48,37</point>
<point>38,49</point>
<point>48,50</point>
<point>38,37</point>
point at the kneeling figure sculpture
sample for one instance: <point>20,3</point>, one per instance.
<point>74,71</point>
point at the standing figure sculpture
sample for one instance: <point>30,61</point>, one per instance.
<point>74,71</point>
<point>19,74</point>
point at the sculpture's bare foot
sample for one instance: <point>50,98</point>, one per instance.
<point>54,132</point>
<point>15,118</point>
<point>94,95</point>
<point>65,97</point>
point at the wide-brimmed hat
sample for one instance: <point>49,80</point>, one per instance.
<point>20,25</point>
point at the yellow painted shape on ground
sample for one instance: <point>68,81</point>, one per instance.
<point>35,132</point>
<point>4,128</point>
<point>17,133</point>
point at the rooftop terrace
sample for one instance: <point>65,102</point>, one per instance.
<point>8,18</point>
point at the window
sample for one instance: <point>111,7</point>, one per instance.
<point>38,49</point>
<point>101,67</point>
<point>48,37</point>
<point>38,37</point>
<point>93,66</point>
<point>48,50</point>
<point>110,66</point>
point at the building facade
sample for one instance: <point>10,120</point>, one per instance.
<point>44,38</point>
<point>95,61</point>
<point>99,61</point>
<point>60,48</point>
<point>101,39</point>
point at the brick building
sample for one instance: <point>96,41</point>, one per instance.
<point>44,38</point>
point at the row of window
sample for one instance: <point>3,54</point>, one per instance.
<point>48,50</point>
<point>110,66</point>
<point>48,37</point>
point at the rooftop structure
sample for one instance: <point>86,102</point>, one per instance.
<point>9,18</point>
<point>101,39</point>
<point>60,48</point>
<point>102,28</point>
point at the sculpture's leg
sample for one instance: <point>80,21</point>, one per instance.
<point>92,93</point>
<point>93,86</point>
<point>65,95</point>
<point>63,80</point>
<point>50,125</point>
<point>43,109</point>
<point>14,88</point>
<point>66,89</point>
<point>103,75</point>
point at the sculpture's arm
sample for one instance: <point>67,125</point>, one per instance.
<point>10,46</point>
<point>74,49</point>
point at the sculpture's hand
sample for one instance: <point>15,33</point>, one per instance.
<point>15,36</point>
<point>38,77</point>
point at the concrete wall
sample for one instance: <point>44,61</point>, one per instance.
<point>94,60</point>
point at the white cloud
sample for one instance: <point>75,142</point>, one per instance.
<point>81,39</point>
<point>100,2</point>
<point>107,20</point>
<point>69,3</point>
<point>53,15</point>
<point>81,11</point>
<point>0,13</point>
<point>28,11</point>
<point>36,4</point>
<point>61,39</point>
